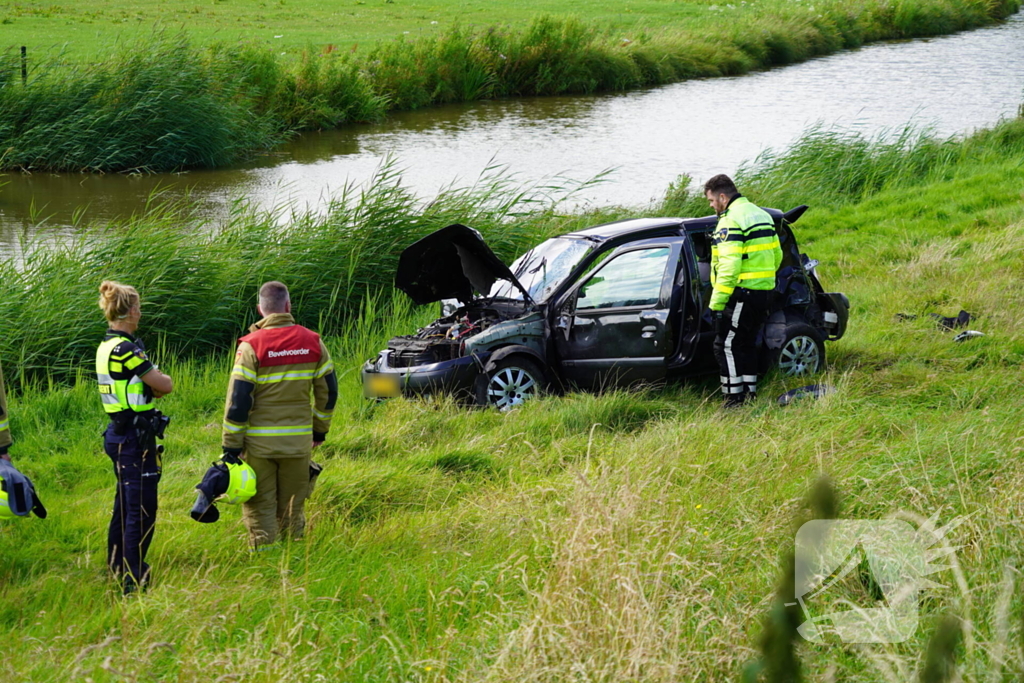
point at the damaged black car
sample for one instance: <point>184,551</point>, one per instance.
<point>615,305</point>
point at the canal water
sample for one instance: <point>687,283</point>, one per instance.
<point>952,84</point>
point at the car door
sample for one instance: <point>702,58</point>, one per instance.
<point>612,329</point>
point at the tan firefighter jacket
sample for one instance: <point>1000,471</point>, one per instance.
<point>282,390</point>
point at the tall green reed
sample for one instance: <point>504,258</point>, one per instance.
<point>198,282</point>
<point>155,105</point>
<point>830,167</point>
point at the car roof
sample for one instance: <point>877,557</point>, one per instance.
<point>629,226</point>
<point>652,227</point>
<point>638,227</point>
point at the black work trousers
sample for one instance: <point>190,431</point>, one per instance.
<point>137,467</point>
<point>736,347</point>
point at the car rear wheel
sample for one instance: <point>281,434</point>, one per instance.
<point>802,352</point>
<point>512,382</point>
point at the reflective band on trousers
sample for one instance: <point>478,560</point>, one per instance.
<point>121,394</point>
<point>4,424</point>
<point>300,430</point>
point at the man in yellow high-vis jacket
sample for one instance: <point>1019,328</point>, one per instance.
<point>745,254</point>
<point>280,400</point>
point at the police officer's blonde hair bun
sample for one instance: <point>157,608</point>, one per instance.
<point>116,299</point>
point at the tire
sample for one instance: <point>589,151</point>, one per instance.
<point>513,381</point>
<point>802,352</point>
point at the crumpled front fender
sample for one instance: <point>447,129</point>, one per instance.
<point>506,351</point>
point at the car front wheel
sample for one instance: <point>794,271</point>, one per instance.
<point>802,352</point>
<point>512,382</point>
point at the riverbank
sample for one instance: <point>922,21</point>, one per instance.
<point>624,536</point>
<point>198,280</point>
<point>168,104</point>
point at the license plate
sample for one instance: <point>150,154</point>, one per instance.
<point>381,386</point>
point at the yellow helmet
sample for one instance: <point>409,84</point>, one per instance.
<point>241,485</point>
<point>17,495</point>
<point>5,509</point>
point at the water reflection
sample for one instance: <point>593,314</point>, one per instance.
<point>954,84</point>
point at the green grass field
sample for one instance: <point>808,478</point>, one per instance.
<point>89,28</point>
<point>634,536</point>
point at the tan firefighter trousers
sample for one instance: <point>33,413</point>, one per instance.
<point>282,486</point>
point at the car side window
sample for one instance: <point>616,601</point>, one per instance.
<point>630,279</point>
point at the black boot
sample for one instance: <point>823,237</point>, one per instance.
<point>734,401</point>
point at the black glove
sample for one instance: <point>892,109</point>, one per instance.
<point>232,455</point>
<point>717,319</point>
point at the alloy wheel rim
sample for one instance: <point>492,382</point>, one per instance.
<point>799,356</point>
<point>511,387</point>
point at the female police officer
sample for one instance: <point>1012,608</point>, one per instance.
<point>128,383</point>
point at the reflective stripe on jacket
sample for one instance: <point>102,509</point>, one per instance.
<point>5,425</point>
<point>745,251</point>
<point>129,392</point>
<point>282,390</point>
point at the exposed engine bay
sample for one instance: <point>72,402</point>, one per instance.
<point>444,339</point>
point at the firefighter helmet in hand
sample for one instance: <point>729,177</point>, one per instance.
<point>241,484</point>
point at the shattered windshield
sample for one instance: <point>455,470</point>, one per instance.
<point>542,269</point>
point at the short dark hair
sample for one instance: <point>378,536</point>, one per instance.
<point>273,297</point>
<point>720,184</point>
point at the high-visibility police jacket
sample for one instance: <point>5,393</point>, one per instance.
<point>745,251</point>
<point>5,424</point>
<point>120,364</point>
<point>282,390</point>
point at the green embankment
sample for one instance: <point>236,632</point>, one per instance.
<point>162,103</point>
<point>630,536</point>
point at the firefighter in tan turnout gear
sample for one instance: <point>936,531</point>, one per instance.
<point>280,398</point>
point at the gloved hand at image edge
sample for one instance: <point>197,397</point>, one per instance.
<point>19,496</point>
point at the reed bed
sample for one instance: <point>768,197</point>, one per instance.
<point>163,104</point>
<point>156,105</point>
<point>199,281</point>
<point>832,168</point>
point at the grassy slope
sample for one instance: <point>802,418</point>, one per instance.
<point>622,537</point>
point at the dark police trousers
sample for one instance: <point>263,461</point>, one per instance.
<point>736,347</point>
<point>137,466</point>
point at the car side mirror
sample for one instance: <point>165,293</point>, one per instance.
<point>565,316</point>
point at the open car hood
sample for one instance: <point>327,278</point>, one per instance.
<point>451,263</point>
